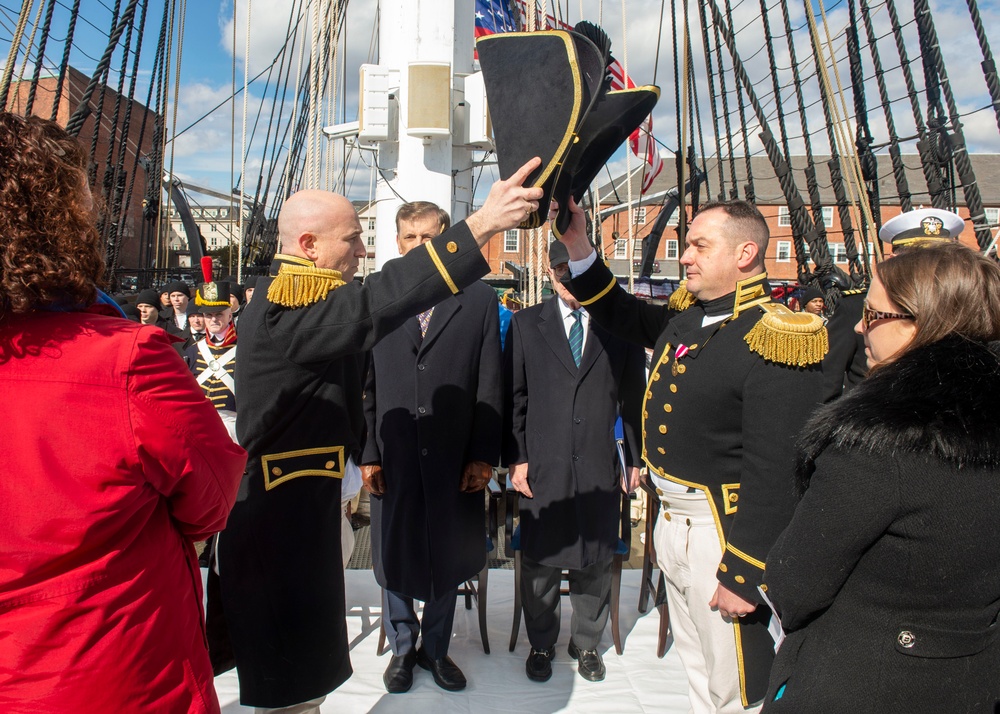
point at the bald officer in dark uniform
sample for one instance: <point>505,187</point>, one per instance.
<point>303,344</point>
<point>734,377</point>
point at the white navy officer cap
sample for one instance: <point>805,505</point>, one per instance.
<point>923,224</point>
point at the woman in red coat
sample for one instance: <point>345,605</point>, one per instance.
<point>114,464</point>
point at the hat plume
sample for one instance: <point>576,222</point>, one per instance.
<point>206,268</point>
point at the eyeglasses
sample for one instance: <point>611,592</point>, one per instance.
<point>869,316</point>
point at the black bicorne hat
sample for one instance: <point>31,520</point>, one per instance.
<point>540,87</point>
<point>612,119</point>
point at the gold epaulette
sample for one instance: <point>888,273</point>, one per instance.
<point>681,299</point>
<point>794,338</point>
<point>854,291</point>
<point>301,285</point>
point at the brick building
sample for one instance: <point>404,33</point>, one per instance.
<point>514,246</point>
<point>131,228</point>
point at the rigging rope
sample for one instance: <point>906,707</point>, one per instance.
<point>988,65</point>
<point>15,47</point>
<point>64,65</point>
<point>243,150</point>
<point>932,175</point>
<point>801,221</point>
<point>895,155</point>
<point>75,122</point>
<point>973,199</point>
<point>40,57</point>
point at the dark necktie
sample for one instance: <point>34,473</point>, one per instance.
<point>576,336</point>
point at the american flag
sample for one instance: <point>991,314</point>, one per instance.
<point>494,16</point>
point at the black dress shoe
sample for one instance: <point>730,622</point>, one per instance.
<point>446,673</point>
<point>398,677</point>
<point>539,664</point>
<point>591,666</point>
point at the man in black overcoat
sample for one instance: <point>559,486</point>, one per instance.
<point>734,377</point>
<point>303,346</point>
<point>567,381</point>
<point>432,408</point>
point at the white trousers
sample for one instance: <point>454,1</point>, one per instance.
<point>310,707</point>
<point>346,534</point>
<point>688,552</point>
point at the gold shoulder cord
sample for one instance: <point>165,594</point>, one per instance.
<point>301,285</point>
<point>793,338</point>
<point>681,299</point>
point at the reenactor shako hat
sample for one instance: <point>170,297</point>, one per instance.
<point>921,225</point>
<point>212,296</point>
<point>543,89</point>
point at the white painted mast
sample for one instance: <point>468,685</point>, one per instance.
<point>425,49</point>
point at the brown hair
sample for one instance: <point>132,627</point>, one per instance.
<point>416,209</point>
<point>948,288</point>
<point>744,222</point>
<point>50,250</point>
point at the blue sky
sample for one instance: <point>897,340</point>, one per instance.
<point>202,154</point>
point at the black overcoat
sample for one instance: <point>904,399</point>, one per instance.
<point>560,419</point>
<point>300,378</point>
<point>433,404</point>
<point>886,578</point>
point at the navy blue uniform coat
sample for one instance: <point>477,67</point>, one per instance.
<point>300,379</point>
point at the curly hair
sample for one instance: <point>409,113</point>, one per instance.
<point>50,249</point>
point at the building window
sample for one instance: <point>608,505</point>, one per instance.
<point>828,216</point>
<point>784,217</point>
<point>672,249</point>
<point>992,217</point>
<point>215,242</point>
<point>371,240</point>
<point>839,253</point>
<point>511,241</point>
<point>371,224</point>
<point>784,251</point>
<point>639,215</point>
<point>637,246</point>
<point>675,217</point>
<point>223,213</point>
<point>621,248</point>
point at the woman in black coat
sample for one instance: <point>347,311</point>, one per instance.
<point>887,579</point>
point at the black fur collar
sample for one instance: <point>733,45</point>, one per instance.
<point>942,399</point>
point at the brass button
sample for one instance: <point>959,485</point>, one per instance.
<point>740,579</point>
<point>659,492</point>
<point>666,516</point>
<point>906,639</point>
<point>452,247</point>
<point>723,567</point>
<point>329,465</point>
<point>763,587</point>
<point>276,471</point>
<point>667,408</point>
<point>687,521</point>
<point>681,369</point>
<point>656,376</point>
<point>673,388</point>
<point>660,449</point>
<point>663,428</point>
<point>694,346</point>
<point>734,497</point>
